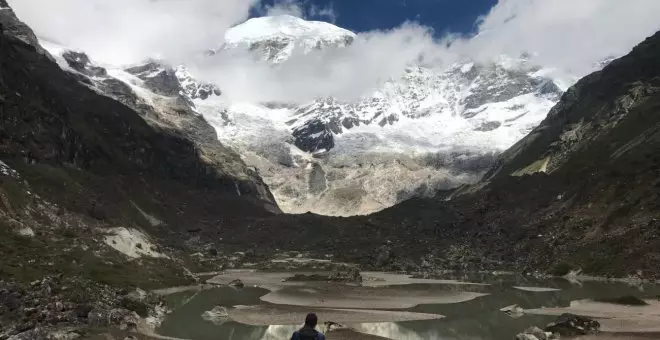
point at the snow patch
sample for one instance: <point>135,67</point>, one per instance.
<point>6,170</point>
<point>155,222</point>
<point>25,231</point>
<point>288,33</point>
<point>467,67</point>
<point>262,28</point>
<point>131,242</point>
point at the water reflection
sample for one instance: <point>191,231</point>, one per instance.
<point>478,319</point>
<point>393,331</point>
<point>279,332</point>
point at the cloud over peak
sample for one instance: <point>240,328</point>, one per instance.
<point>570,35</point>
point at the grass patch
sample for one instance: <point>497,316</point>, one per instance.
<point>54,177</point>
<point>14,191</point>
<point>21,255</point>
<point>30,258</point>
<point>627,300</point>
<point>144,273</point>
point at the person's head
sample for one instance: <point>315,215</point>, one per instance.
<point>311,320</point>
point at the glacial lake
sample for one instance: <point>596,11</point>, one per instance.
<point>468,307</point>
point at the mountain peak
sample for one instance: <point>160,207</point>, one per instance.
<point>261,28</point>
<point>278,37</point>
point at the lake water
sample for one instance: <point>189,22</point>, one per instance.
<point>476,318</point>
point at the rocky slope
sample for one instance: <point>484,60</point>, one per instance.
<point>105,192</point>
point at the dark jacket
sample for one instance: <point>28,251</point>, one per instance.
<point>307,333</point>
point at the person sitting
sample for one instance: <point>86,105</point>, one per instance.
<point>308,332</point>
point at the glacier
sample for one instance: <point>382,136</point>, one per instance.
<point>431,129</point>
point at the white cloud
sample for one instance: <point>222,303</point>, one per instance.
<point>126,31</point>
<point>569,34</point>
<point>346,73</point>
<point>327,13</point>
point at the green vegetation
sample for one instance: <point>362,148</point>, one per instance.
<point>14,192</point>
<point>30,258</point>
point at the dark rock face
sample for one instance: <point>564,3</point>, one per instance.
<point>313,137</point>
<point>500,84</point>
<point>573,325</point>
<point>237,284</point>
<point>206,90</point>
<point>11,26</point>
<point>80,62</point>
<point>158,78</point>
<point>488,126</point>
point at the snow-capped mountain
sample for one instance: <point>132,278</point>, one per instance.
<point>276,38</point>
<point>428,130</point>
<point>492,103</point>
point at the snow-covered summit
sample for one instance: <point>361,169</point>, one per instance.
<point>278,37</point>
<point>263,28</point>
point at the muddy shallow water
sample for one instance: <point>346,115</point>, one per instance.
<point>398,308</point>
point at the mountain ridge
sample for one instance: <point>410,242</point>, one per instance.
<point>424,126</point>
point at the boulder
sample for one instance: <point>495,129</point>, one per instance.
<point>352,275</point>
<point>330,326</point>
<point>525,336</point>
<point>82,310</point>
<point>535,333</point>
<point>63,335</point>
<point>136,301</point>
<point>513,311</point>
<point>572,325</point>
<point>80,62</point>
<point>218,315</point>
<point>98,318</point>
<point>129,322</point>
<point>32,334</point>
<point>237,284</point>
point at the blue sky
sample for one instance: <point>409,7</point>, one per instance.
<point>455,16</point>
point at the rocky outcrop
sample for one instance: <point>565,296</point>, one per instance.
<point>573,325</point>
<point>63,308</point>
<point>195,89</point>
<point>535,333</point>
<point>314,137</point>
<point>80,62</point>
<point>11,26</point>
